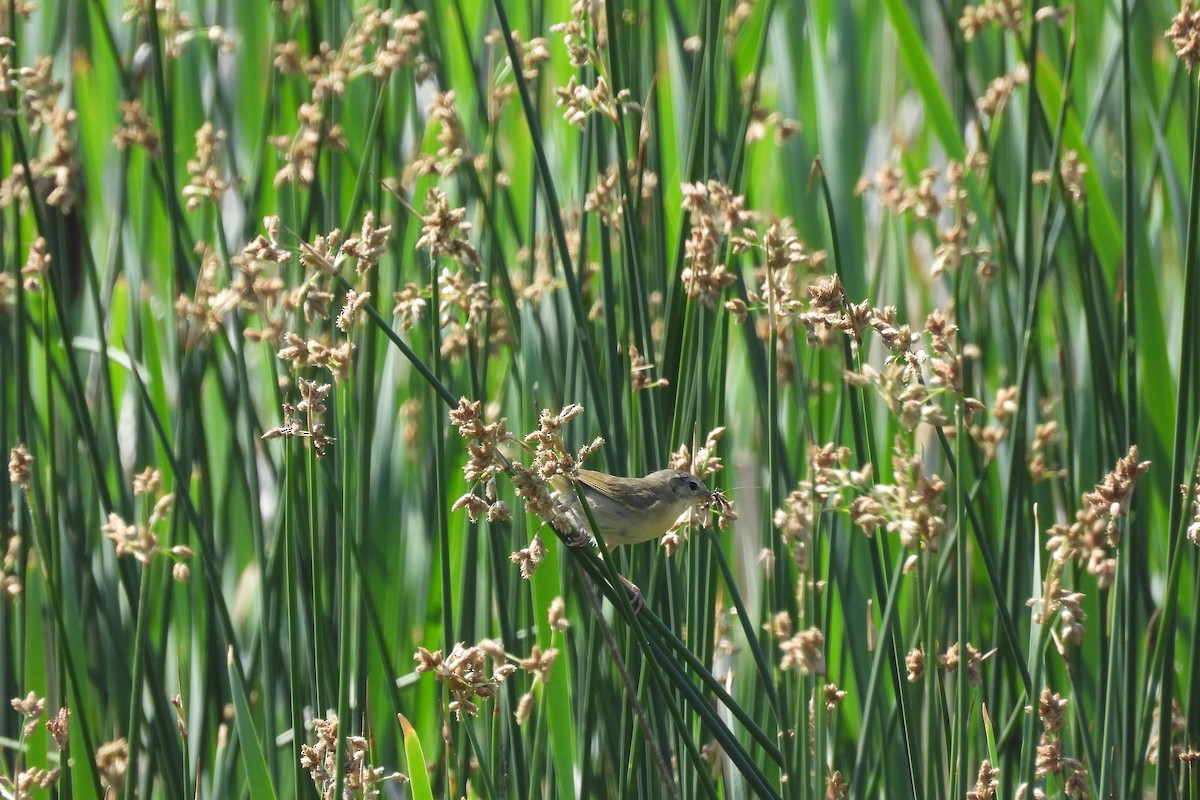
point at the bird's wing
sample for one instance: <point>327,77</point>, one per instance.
<point>631,496</point>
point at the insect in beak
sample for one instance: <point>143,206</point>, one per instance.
<point>716,498</point>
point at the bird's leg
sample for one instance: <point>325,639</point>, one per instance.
<point>637,600</point>
<point>578,538</point>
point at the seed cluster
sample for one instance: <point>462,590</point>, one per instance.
<point>360,778</point>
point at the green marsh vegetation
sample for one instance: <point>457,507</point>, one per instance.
<point>302,304</point>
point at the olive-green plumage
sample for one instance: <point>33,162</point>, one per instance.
<point>632,510</point>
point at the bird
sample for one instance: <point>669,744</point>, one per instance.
<point>631,510</point>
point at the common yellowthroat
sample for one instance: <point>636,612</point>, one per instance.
<point>632,510</point>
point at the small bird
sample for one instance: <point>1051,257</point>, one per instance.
<point>632,510</point>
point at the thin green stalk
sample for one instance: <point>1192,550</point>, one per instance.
<point>348,583</point>
<point>291,592</point>
<point>963,614</point>
<point>1134,543</point>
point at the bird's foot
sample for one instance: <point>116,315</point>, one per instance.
<point>636,598</point>
<point>577,538</point>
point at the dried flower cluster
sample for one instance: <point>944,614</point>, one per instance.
<point>468,316</point>
<point>8,291</point>
<point>836,786</point>
<point>25,781</point>
<point>762,119</point>
<point>21,8</point>
<point>551,462</point>
<point>639,372</point>
<point>464,672</point>
<point>55,172</point>
<point>531,484</point>
<point>579,101</point>
<point>1193,531</point>
<point>1110,499</point>
<point>11,585</point>
<point>1176,731</point>
<point>533,284</point>
<point>804,652</point>
<point>951,660</point>
<point>465,675</point>
<point>584,34</point>
<point>37,265</point>
<point>20,465</point>
<point>453,146</point>
<point>784,277</point>
<point>31,708</point>
<point>202,315</point>
<point>299,152</point>
<point>486,461</point>
<point>996,96</point>
<point>139,540</point>
<point>368,246</point>
<point>779,626</point>
<point>939,196</point>
<point>704,463</point>
<point>1074,176</point>
<point>204,176</point>
<point>1059,603</point>
<point>257,288</point>
<point>1050,760</point>
<point>137,129</point>
<point>822,491</point>
<point>738,15</point>
<point>585,38</point>
<point>175,28</point>
<point>1045,434</point>
<point>915,379</point>
<point>1184,34</point>
<point>538,664</point>
<point>360,778</point>
<point>534,53</point>
<point>1089,541</point>
<point>378,43</point>
<point>410,306</point>
<point>1009,14</point>
<point>325,256</point>
<point>714,213</point>
<point>483,441</point>
<point>605,199</point>
<point>551,458</point>
<point>1073,172</point>
<point>465,312</point>
<point>914,664</point>
<point>528,558</point>
<point>557,615</point>
<point>986,784</point>
<point>59,728</point>
<point>989,437</point>
<point>312,407</point>
<point>832,697</point>
<point>112,760</point>
<point>913,508</point>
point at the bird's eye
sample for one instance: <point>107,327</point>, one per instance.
<point>694,485</point>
